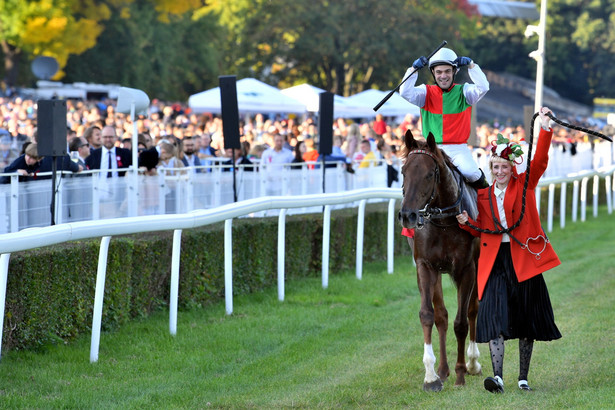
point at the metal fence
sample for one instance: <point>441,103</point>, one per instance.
<point>86,196</point>
<point>105,229</point>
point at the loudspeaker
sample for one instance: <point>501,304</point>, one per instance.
<point>325,123</point>
<point>51,128</point>
<point>230,111</point>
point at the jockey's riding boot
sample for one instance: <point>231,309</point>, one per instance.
<point>480,182</point>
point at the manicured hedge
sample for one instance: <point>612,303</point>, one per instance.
<point>50,294</point>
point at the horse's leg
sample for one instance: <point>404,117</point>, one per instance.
<point>441,320</point>
<point>426,281</point>
<point>461,324</point>
<point>473,365</point>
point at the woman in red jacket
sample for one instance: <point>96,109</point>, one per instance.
<point>514,301</point>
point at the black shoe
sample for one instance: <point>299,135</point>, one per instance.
<point>349,168</point>
<point>524,386</point>
<point>494,384</point>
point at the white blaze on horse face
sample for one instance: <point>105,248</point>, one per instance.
<point>473,365</point>
<point>429,360</point>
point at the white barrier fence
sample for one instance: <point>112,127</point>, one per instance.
<point>37,237</point>
<point>86,196</point>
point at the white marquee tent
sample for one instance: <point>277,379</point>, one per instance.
<point>253,96</point>
<point>310,96</point>
<point>396,106</point>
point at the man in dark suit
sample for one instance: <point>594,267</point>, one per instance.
<point>79,150</point>
<point>241,158</point>
<point>190,158</point>
<point>109,157</point>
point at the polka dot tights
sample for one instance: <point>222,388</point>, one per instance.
<point>496,348</point>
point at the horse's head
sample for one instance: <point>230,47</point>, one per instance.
<point>421,172</point>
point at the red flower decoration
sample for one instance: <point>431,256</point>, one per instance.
<point>119,161</point>
<point>506,153</point>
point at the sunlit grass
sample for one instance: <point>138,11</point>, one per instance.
<point>355,344</point>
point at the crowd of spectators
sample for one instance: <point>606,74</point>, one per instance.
<point>177,137</point>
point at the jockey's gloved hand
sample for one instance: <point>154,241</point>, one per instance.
<point>461,61</point>
<point>420,62</point>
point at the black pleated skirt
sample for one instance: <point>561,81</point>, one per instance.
<point>514,309</point>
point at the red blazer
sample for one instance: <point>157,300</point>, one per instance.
<point>525,263</point>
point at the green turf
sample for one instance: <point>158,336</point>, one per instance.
<point>355,344</point>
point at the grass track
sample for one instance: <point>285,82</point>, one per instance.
<point>357,344</point>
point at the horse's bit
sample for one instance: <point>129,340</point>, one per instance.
<point>428,212</point>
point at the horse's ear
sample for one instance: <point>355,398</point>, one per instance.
<point>431,142</point>
<point>410,141</point>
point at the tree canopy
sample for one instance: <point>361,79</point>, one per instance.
<point>173,48</point>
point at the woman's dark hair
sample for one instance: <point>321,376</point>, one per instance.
<point>297,150</point>
<point>245,148</point>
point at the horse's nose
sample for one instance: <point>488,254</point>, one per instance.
<point>408,218</point>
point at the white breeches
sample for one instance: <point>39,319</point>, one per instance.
<point>464,161</point>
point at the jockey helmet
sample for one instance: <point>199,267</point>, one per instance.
<point>443,56</point>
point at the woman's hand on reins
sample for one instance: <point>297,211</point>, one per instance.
<point>544,120</point>
<point>462,218</point>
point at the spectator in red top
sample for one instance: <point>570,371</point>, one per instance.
<point>380,125</point>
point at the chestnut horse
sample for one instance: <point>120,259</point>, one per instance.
<point>434,192</point>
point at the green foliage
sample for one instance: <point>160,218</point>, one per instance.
<point>579,47</point>
<point>168,59</point>
<point>174,48</point>
<point>51,290</point>
<point>343,47</point>
<point>499,45</point>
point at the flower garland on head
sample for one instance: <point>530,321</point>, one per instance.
<point>504,149</point>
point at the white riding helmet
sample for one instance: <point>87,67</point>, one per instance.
<point>443,56</point>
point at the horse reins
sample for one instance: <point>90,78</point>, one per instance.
<point>434,212</point>
<point>525,184</point>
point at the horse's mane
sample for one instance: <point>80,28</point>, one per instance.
<point>422,144</point>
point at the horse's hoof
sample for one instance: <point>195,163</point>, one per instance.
<point>434,386</point>
<point>474,369</point>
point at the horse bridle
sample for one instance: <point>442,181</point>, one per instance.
<point>434,212</point>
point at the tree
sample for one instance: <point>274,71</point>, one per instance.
<point>55,28</point>
<point>343,47</point>
<point>500,45</point>
<point>165,54</point>
<point>594,35</point>
<point>579,47</point>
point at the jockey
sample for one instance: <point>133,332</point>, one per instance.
<point>446,110</point>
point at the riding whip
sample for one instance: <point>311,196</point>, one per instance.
<point>390,94</point>
<point>577,128</point>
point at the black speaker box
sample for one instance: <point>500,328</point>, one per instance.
<point>325,123</point>
<point>230,111</point>
<point>51,128</point>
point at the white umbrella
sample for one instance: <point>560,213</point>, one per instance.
<point>342,107</point>
<point>253,96</point>
<point>396,106</point>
